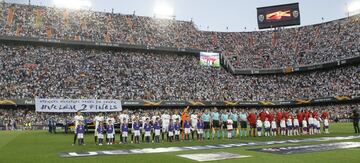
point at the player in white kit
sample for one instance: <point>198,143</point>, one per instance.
<point>134,117</point>
<point>311,124</point>
<point>143,122</point>
<point>304,127</point>
<point>267,126</point>
<point>123,118</point>
<point>153,121</point>
<point>296,126</point>
<point>317,126</point>
<point>283,126</point>
<point>259,126</point>
<point>273,128</point>
<point>326,125</point>
<point>77,119</point>
<point>110,121</point>
<point>194,121</point>
<point>175,116</point>
<point>99,118</point>
<point>165,121</point>
<point>289,125</point>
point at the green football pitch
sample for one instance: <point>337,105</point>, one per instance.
<point>40,146</point>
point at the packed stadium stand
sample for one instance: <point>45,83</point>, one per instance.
<point>278,48</point>
<point>50,71</point>
<point>30,71</point>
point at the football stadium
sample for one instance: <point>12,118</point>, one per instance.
<point>149,81</point>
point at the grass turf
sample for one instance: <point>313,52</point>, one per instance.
<point>40,146</point>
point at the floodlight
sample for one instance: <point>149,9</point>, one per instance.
<point>163,10</point>
<point>353,6</point>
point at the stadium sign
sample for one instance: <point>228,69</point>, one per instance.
<point>29,102</point>
<point>74,105</point>
<point>7,102</point>
<point>204,147</point>
<point>212,156</point>
<point>309,148</point>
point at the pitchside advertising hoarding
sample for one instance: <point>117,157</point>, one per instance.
<point>278,16</point>
<point>152,103</point>
<point>309,148</point>
<point>210,59</point>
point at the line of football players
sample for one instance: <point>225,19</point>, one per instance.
<point>152,126</point>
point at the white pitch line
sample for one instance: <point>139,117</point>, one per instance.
<point>204,147</point>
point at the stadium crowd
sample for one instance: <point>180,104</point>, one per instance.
<point>49,72</point>
<point>265,49</point>
<point>301,46</point>
<point>29,71</point>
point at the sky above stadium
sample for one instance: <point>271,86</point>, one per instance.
<point>216,15</point>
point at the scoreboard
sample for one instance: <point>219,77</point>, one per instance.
<point>278,16</point>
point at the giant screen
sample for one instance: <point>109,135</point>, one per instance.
<point>209,59</point>
<point>278,16</point>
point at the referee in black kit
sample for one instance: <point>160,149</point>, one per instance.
<point>355,118</point>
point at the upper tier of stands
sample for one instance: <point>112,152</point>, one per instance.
<point>41,71</point>
<point>278,48</point>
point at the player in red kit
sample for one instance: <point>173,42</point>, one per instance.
<point>270,116</point>
<point>252,121</point>
<point>279,116</point>
<point>324,115</point>
<point>286,114</point>
<point>300,117</point>
<point>262,116</point>
<point>315,114</point>
<point>306,114</point>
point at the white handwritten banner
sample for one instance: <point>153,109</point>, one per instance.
<point>74,105</point>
